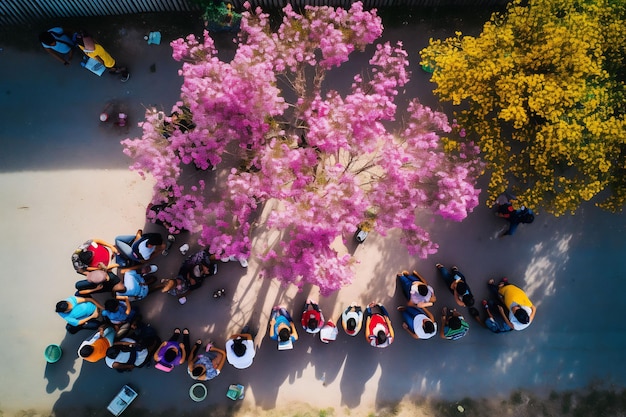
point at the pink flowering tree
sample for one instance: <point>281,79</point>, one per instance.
<point>319,163</point>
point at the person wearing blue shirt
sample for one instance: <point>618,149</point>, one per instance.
<point>79,313</point>
<point>282,328</point>
<point>58,43</point>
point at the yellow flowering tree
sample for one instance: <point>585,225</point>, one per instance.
<point>541,90</point>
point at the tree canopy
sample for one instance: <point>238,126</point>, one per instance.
<point>319,162</point>
<point>541,90</point>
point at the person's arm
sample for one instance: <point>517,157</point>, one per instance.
<point>367,326</point>
<point>108,245</point>
<point>127,302</point>
<point>273,327</point>
<point>457,299</point>
<point>156,352</point>
<point>57,56</point>
<point>505,317</point>
<point>218,361</point>
<point>406,327</point>
<point>93,315</point>
<point>429,314</point>
<point>91,290</point>
<point>246,336</point>
<point>421,278</point>
<point>183,353</point>
<point>388,321</point>
<point>192,356</point>
<point>294,332</point>
<point>444,319</point>
<point>533,310</point>
<point>122,366</point>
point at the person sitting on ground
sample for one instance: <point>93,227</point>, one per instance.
<point>146,336</point>
<point>282,328</point>
<point>240,349</point>
<point>378,330</point>
<point>312,317</point>
<point>416,290</point>
<point>139,248</point>
<point>192,273</point>
<point>138,282</point>
<point>119,313</point>
<point>458,285</point>
<point>496,320</point>
<point>126,355</point>
<point>204,367</point>
<point>59,43</point>
<point>95,348</point>
<point>99,281</point>
<point>172,352</point>
<point>352,319</point>
<point>92,255</point>
<point>94,50</point>
<point>79,313</point>
<point>453,325</point>
<point>418,322</point>
<point>521,310</point>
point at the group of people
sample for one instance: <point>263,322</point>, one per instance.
<point>122,274</point>
<point>61,43</point>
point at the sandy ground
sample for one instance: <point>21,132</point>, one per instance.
<point>63,180</point>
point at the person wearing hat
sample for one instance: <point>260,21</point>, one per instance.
<point>282,328</point>
<point>352,319</point>
<point>419,323</point>
<point>312,318</point>
<point>416,290</point>
<point>205,366</point>
<point>378,330</point>
<point>240,350</point>
<point>521,309</point>
<point>457,284</point>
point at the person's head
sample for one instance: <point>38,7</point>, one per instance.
<point>521,315</point>
<point>422,290</point>
<point>351,324</point>
<point>284,334</point>
<point>454,323</point>
<point>47,39</point>
<point>111,305</point>
<point>113,351</point>
<point>155,240</point>
<point>468,300</point>
<point>62,306</point>
<point>528,216</point>
<point>312,323</point>
<point>85,256</point>
<point>381,337</point>
<point>428,327</point>
<point>170,355</point>
<point>239,347</point>
<point>198,370</point>
<point>85,351</point>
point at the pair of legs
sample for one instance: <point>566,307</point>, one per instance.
<point>124,244</point>
<point>176,337</point>
<point>406,282</point>
<point>448,275</point>
<point>409,314</point>
<point>92,324</point>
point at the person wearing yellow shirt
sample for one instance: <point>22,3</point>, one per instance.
<point>521,309</point>
<point>94,50</point>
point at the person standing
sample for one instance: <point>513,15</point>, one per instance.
<point>58,43</point>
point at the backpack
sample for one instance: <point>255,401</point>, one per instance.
<point>79,265</point>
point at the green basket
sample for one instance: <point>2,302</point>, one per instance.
<point>53,353</point>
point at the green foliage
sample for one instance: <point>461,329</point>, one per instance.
<point>544,97</point>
